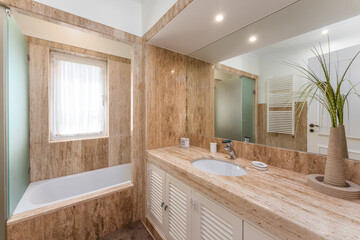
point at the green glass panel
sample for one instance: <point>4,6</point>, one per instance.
<point>18,114</point>
<point>228,109</point>
<point>248,108</point>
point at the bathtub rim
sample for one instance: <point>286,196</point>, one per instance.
<point>16,218</point>
<point>27,196</point>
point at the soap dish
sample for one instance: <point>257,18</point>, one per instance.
<point>259,165</point>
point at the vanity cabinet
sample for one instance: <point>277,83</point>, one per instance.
<point>156,196</point>
<point>177,209</point>
<point>181,213</point>
<point>211,221</point>
<point>168,204</point>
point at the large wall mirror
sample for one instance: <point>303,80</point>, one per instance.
<point>254,96</point>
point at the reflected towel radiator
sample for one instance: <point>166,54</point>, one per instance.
<point>281,105</point>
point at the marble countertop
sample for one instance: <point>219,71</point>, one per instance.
<point>278,201</point>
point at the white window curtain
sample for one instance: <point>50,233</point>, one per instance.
<point>78,96</point>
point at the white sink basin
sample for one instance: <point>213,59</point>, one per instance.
<point>219,167</point>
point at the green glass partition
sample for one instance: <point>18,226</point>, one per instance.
<point>248,108</point>
<point>18,114</point>
<point>235,108</point>
<point>228,109</point>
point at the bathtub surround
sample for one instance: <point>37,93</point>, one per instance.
<point>54,159</point>
<point>84,218</point>
<point>41,194</point>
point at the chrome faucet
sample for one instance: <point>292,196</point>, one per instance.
<point>229,148</point>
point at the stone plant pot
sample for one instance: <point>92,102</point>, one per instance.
<point>343,142</point>
<point>335,169</point>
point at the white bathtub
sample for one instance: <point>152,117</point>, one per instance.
<point>43,193</point>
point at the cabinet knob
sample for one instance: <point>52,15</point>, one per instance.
<point>162,204</point>
<point>166,206</point>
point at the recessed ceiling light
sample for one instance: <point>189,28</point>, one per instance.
<point>325,32</point>
<point>252,39</point>
<point>219,18</point>
<point>172,71</point>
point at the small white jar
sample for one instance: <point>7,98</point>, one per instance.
<point>213,147</point>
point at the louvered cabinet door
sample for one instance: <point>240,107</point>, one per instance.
<point>178,212</point>
<point>213,222</point>
<point>156,196</point>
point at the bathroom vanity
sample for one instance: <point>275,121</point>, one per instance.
<point>184,202</point>
<point>181,212</point>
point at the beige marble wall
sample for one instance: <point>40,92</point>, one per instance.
<point>200,97</point>
<point>296,142</point>
<point>89,219</point>
<point>55,159</point>
<point>165,75</point>
<point>297,161</point>
<point>138,140</point>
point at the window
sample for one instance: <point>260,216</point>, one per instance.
<point>78,102</point>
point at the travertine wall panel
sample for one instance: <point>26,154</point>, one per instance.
<point>138,139</point>
<point>200,97</point>
<point>297,161</point>
<point>54,159</point>
<point>296,142</point>
<point>165,74</point>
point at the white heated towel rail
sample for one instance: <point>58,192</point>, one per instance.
<point>281,105</point>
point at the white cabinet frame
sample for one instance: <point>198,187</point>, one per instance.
<point>179,212</point>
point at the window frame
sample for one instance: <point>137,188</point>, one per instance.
<point>82,59</point>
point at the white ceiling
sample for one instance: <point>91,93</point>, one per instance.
<point>298,18</point>
<point>132,16</point>
<point>195,27</point>
<point>335,31</point>
<point>120,14</point>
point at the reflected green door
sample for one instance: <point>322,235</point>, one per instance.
<point>18,114</point>
<point>248,108</point>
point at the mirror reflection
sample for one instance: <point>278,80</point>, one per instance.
<point>234,106</point>
<point>254,97</point>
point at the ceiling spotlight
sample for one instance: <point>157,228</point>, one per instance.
<point>172,71</point>
<point>219,18</point>
<point>252,39</point>
<point>324,32</point>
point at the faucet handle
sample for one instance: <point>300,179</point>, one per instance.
<point>228,144</point>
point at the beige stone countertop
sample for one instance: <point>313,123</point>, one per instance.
<point>278,201</point>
